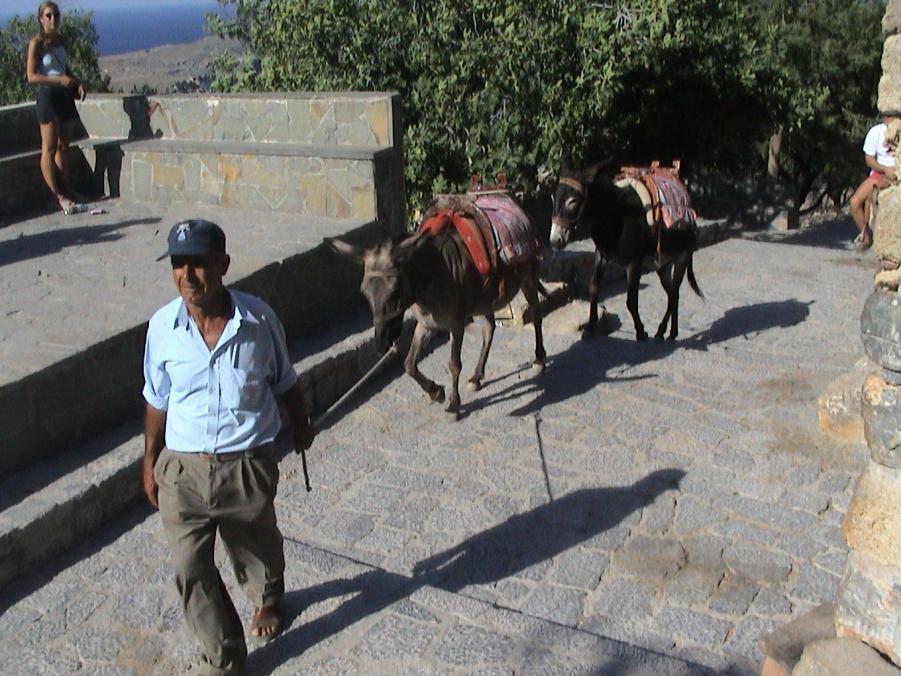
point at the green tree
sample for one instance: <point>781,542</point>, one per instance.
<point>829,52</point>
<point>77,28</point>
<point>514,85</point>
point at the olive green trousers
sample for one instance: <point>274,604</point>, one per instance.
<point>200,495</point>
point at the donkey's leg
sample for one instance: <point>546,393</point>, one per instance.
<point>633,277</point>
<point>665,273</point>
<point>594,290</point>
<point>434,390</point>
<point>679,268</point>
<point>530,291</point>
<point>455,366</point>
<point>475,382</point>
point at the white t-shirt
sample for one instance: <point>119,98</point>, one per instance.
<point>874,144</point>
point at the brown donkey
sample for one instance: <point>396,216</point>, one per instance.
<point>434,275</point>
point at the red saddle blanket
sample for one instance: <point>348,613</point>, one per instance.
<point>516,238</point>
<point>494,228</point>
<point>470,233</point>
<point>667,200</point>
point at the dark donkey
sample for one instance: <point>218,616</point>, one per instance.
<point>435,276</point>
<point>586,204</point>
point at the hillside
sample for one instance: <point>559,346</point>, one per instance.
<point>167,68</point>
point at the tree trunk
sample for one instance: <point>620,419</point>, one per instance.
<point>774,160</point>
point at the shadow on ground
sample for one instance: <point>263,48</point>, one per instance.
<point>834,233</point>
<point>25,246</point>
<point>506,549</point>
<point>586,364</point>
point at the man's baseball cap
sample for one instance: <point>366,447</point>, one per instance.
<point>194,237</point>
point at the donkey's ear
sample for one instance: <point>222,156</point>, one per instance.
<point>592,172</point>
<point>351,251</point>
<point>566,165</point>
<point>409,246</point>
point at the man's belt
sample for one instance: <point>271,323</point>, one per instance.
<point>259,451</point>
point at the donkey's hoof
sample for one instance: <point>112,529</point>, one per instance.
<point>658,338</point>
<point>641,335</point>
<point>537,368</point>
<point>453,415</point>
<point>437,394</point>
<point>474,384</point>
<point>672,337</point>
<point>588,333</point>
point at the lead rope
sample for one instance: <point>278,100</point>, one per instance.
<point>334,407</point>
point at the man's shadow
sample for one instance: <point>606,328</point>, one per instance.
<point>504,550</point>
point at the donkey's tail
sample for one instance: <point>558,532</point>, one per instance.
<point>691,277</point>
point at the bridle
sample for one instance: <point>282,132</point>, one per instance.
<point>565,221</point>
<point>404,286</point>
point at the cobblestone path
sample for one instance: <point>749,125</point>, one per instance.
<point>638,508</point>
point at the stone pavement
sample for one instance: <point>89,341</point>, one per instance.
<point>638,508</point>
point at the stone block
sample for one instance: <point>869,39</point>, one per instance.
<point>881,414</point>
<point>880,329</point>
<point>891,20</point>
<point>868,604</point>
<point>889,89</point>
<point>873,522</point>
<point>886,233</point>
<point>842,657</point>
<point>784,646</point>
<point>838,408</point>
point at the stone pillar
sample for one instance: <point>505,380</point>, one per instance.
<point>868,603</point>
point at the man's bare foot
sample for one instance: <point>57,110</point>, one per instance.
<point>266,622</point>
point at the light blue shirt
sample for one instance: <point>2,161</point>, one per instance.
<point>220,400</point>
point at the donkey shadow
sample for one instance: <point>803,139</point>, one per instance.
<point>503,550</point>
<point>586,364</point>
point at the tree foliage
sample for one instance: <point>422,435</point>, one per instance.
<point>514,85</point>
<point>829,53</point>
<point>76,27</point>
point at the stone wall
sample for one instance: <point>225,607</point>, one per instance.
<point>334,155</point>
<point>868,603</point>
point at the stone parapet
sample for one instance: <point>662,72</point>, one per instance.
<point>868,604</point>
<point>880,329</point>
<point>890,83</point>
<point>872,525</point>
<point>355,118</point>
<point>891,20</point>
<point>294,182</point>
<point>880,407</point>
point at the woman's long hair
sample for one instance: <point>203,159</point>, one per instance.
<point>46,41</point>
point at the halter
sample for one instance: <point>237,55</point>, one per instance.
<point>405,290</point>
<point>565,221</point>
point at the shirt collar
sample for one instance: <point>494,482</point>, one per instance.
<point>240,313</point>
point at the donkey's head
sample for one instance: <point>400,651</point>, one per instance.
<point>569,200</point>
<point>385,284</point>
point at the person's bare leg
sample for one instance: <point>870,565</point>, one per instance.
<point>859,203</point>
<point>61,158</point>
<point>49,146</point>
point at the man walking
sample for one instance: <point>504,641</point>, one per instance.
<point>215,361</point>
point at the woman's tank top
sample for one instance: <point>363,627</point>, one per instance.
<point>53,62</point>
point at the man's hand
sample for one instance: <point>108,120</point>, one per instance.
<point>154,440</point>
<point>150,488</point>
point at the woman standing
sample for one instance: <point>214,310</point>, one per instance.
<point>47,67</point>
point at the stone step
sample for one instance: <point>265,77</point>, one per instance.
<point>53,504</point>
<point>50,506</point>
<point>78,292</point>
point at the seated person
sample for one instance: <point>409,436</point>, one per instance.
<point>882,172</point>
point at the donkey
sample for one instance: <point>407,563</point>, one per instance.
<point>586,204</point>
<point>435,276</point>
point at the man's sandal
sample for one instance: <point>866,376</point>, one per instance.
<point>259,624</point>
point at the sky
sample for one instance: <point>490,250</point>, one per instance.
<point>23,7</point>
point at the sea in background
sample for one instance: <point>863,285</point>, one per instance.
<point>129,29</point>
